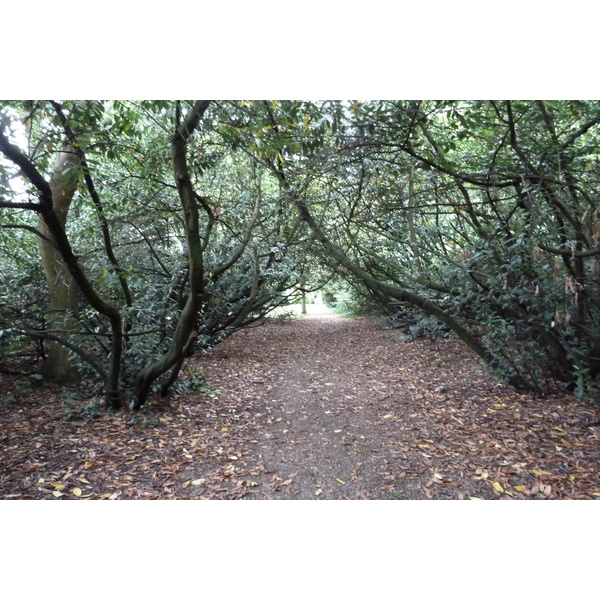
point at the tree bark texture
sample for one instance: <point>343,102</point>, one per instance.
<point>63,297</point>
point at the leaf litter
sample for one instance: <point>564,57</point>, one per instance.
<point>313,408</point>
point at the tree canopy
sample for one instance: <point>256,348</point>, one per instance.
<point>135,233</point>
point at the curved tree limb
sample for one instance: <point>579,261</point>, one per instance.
<point>184,329</point>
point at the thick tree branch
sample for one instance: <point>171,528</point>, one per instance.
<point>184,330</point>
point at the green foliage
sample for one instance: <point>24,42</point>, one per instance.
<point>350,300</point>
<point>483,214</point>
<point>129,232</point>
<point>485,210</point>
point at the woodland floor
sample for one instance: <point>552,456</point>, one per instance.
<point>318,407</point>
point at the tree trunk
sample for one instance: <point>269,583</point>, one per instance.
<point>63,298</point>
<point>184,329</point>
<point>52,220</point>
<point>412,202</point>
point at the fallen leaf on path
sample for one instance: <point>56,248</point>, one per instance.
<point>428,492</point>
<point>498,487</point>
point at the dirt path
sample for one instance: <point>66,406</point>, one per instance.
<point>329,438</point>
<point>312,408</point>
<point>338,406</point>
<point>351,412</point>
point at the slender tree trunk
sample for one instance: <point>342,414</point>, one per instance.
<point>63,297</point>
<point>411,218</point>
<point>184,329</point>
